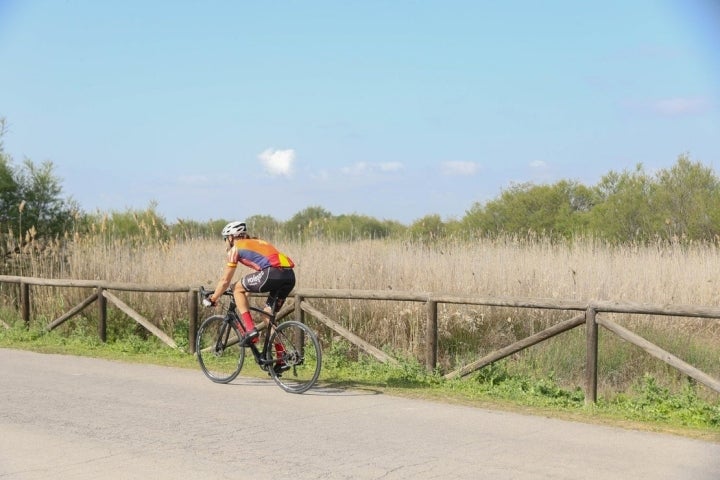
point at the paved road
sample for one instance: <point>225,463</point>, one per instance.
<point>65,417</point>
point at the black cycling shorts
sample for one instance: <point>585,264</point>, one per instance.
<point>278,282</point>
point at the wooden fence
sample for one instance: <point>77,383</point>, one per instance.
<point>587,314</point>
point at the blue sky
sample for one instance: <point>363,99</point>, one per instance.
<point>392,109</point>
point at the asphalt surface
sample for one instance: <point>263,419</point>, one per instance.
<point>65,417</point>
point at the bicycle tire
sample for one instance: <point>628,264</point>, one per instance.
<point>300,352</point>
<point>219,349</point>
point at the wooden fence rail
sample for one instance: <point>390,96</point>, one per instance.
<point>588,315</point>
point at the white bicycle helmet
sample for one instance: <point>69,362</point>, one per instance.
<point>234,229</point>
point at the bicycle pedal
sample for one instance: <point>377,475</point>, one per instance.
<point>279,369</point>
<point>251,337</point>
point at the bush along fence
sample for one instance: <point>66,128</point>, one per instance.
<point>587,314</point>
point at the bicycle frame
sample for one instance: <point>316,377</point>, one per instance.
<point>290,352</point>
<point>231,316</point>
<point>260,355</point>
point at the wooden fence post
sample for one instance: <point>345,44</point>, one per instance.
<point>25,302</point>
<point>102,315</point>
<point>193,320</point>
<point>431,336</point>
<point>300,317</point>
<point>591,359</point>
<point>299,314</point>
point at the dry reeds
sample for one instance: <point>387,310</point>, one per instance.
<point>582,269</point>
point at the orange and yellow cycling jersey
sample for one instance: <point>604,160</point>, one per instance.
<point>257,254</point>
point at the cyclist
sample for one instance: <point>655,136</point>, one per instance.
<point>272,273</point>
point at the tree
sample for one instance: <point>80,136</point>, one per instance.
<point>687,199</point>
<point>355,227</point>
<point>263,226</point>
<point>309,222</point>
<point>41,194</point>
<point>31,197</point>
<point>556,210</point>
<point>9,194</point>
<point>624,211</point>
<point>429,227</point>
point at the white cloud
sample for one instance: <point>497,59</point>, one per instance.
<point>538,164</point>
<point>460,168</point>
<point>278,162</point>
<point>680,105</point>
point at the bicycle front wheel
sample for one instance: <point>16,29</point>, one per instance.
<point>296,357</point>
<point>219,349</point>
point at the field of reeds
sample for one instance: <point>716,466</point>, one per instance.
<point>582,269</point>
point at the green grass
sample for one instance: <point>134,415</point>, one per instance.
<point>503,385</point>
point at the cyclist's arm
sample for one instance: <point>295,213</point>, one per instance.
<point>224,282</point>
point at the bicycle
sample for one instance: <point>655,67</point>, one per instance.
<point>290,352</point>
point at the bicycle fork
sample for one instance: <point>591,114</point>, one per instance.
<point>222,339</point>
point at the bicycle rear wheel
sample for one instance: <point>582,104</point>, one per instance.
<point>219,351</point>
<point>296,357</point>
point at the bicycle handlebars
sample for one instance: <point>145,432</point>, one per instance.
<point>206,293</point>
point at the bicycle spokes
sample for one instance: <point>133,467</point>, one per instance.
<point>296,358</point>
<point>219,350</point>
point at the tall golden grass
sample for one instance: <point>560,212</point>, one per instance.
<point>582,269</point>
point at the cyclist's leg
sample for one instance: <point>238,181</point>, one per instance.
<point>280,283</point>
<point>240,295</point>
<point>240,291</point>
